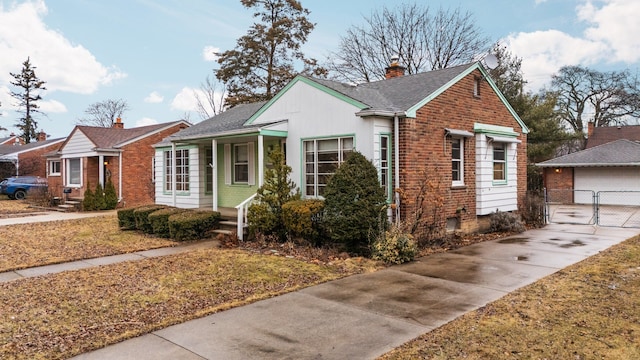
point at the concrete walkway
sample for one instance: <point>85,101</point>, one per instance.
<point>364,316</point>
<point>51,216</point>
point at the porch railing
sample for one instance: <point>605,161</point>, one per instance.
<point>243,209</point>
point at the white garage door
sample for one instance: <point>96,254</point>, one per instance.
<point>620,185</point>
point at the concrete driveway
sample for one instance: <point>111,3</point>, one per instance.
<point>364,316</point>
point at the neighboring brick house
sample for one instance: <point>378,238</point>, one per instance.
<point>450,129</point>
<point>12,139</point>
<point>91,155</point>
<point>19,159</point>
<point>610,163</point>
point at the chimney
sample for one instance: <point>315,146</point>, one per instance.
<point>394,69</point>
<point>42,136</point>
<point>590,126</point>
<point>118,124</point>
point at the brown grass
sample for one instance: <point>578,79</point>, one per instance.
<point>28,245</point>
<point>590,310</point>
<point>12,207</point>
<point>61,315</point>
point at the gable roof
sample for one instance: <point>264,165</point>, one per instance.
<point>401,96</point>
<point>19,149</point>
<point>105,138</point>
<point>616,153</point>
<point>604,134</point>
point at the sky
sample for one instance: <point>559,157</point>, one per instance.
<point>154,54</point>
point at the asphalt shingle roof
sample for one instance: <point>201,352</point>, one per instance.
<point>10,149</point>
<point>105,138</point>
<point>616,153</point>
<point>395,94</point>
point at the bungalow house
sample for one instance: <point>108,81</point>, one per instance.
<point>91,155</point>
<point>19,159</point>
<point>12,139</point>
<point>610,164</point>
<point>451,126</point>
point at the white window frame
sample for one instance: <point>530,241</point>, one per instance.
<point>182,171</point>
<point>495,148</point>
<point>68,172</point>
<point>52,168</point>
<point>208,170</point>
<point>311,162</point>
<point>240,163</point>
<point>385,164</point>
<point>457,160</point>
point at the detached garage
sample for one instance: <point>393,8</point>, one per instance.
<point>611,170</point>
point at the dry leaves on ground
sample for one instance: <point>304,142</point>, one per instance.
<point>61,315</point>
<point>9,208</point>
<point>590,310</point>
<point>29,245</point>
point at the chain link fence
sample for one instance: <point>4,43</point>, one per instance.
<point>587,207</point>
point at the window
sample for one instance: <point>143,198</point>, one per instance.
<point>322,158</point>
<point>240,163</point>
<point>476,86</point>
<point>384,165</point>
<point>182,170</point>
<point>208,170</point>
<point>457,162</point>
<point>74,172</point>
<point>499,162</point>
<point>54,167</point>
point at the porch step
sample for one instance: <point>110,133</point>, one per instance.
<point>70,205</point>
<point>227,226</point>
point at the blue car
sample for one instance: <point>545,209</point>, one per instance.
<point>18,187</point>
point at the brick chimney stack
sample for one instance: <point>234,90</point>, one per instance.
<point>395,69</point>
<point>42,136</point>
<point>118,124</point>
<point>590,126</point>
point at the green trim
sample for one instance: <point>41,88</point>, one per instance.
<point>303,168</point>
<point>311,83</point>
<point>411,112</point>
<point>506,167</point>
<point>274,133</point>
<point>480,128</point>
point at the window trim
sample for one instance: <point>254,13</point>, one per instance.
<point>503,147</point>
<point>303,160</point>
<point>183,179</point>
<point>68,173</point>
<point>460,160</point>
<point>235,164</point>
<point>51,168</point>
<point>389,160</point>
<point>208,171</point>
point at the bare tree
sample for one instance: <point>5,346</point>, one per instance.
<point>604,98</point>
<point>423,41</point>
<point>210,99</point>
<point>104,113</point>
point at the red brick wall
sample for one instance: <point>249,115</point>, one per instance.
<point>560,180</point>
<point>137,185</point>
<point>424,149</point>
<point>34,163</point>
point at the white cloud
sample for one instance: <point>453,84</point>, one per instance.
<point>209,53</point>
<point>52,106</point>
<point>185,100</point>
<point>154,98</point>
<point>63,65</point>
<point>609,37</point>
<point>146,121</point>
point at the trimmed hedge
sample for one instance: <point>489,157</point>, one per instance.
<point>302,218</point>
<point>126,219</point>
<point>141,215</point>
<point>191,225</point>
<point>159,221</point>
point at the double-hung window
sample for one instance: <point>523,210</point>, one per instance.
<point>385,154</point>
<point>322,158</point>
<point>54,168</point>
<point>209,170</point>
<point>241,163</point>
<point>74,172</point>
<point>457,162</point>
<point>499,162</point>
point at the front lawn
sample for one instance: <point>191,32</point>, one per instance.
<point>590,310</point>
<point>36,244</point>
<point>61,315</point>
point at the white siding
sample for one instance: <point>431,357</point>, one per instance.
<point>77,146</point>
<point>188,201</point>
<point>611,180</point>
<point>312,113</point>
<point>492,197</point>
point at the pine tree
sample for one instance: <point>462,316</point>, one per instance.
<point>89,200</point>
<point>110,196</point>
<point>100,202</point>
<point>28,99</point>
<point>263,60</point>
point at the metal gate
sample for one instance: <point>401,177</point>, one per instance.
<point>587,207</point>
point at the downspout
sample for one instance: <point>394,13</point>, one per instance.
<point>396,165</point>
<point>120,175</point>
<point>174,176</point>
<point>214,173</point>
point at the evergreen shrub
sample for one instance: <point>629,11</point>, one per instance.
<point>159,220</point>
<point>394,247</point>
<point>303,219</point>
<point>88,200</point>
<point>110,196</point>
<point>192,225</point>
<point>504,221</point>
<point>126,219</point>
<point>141,215</point>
